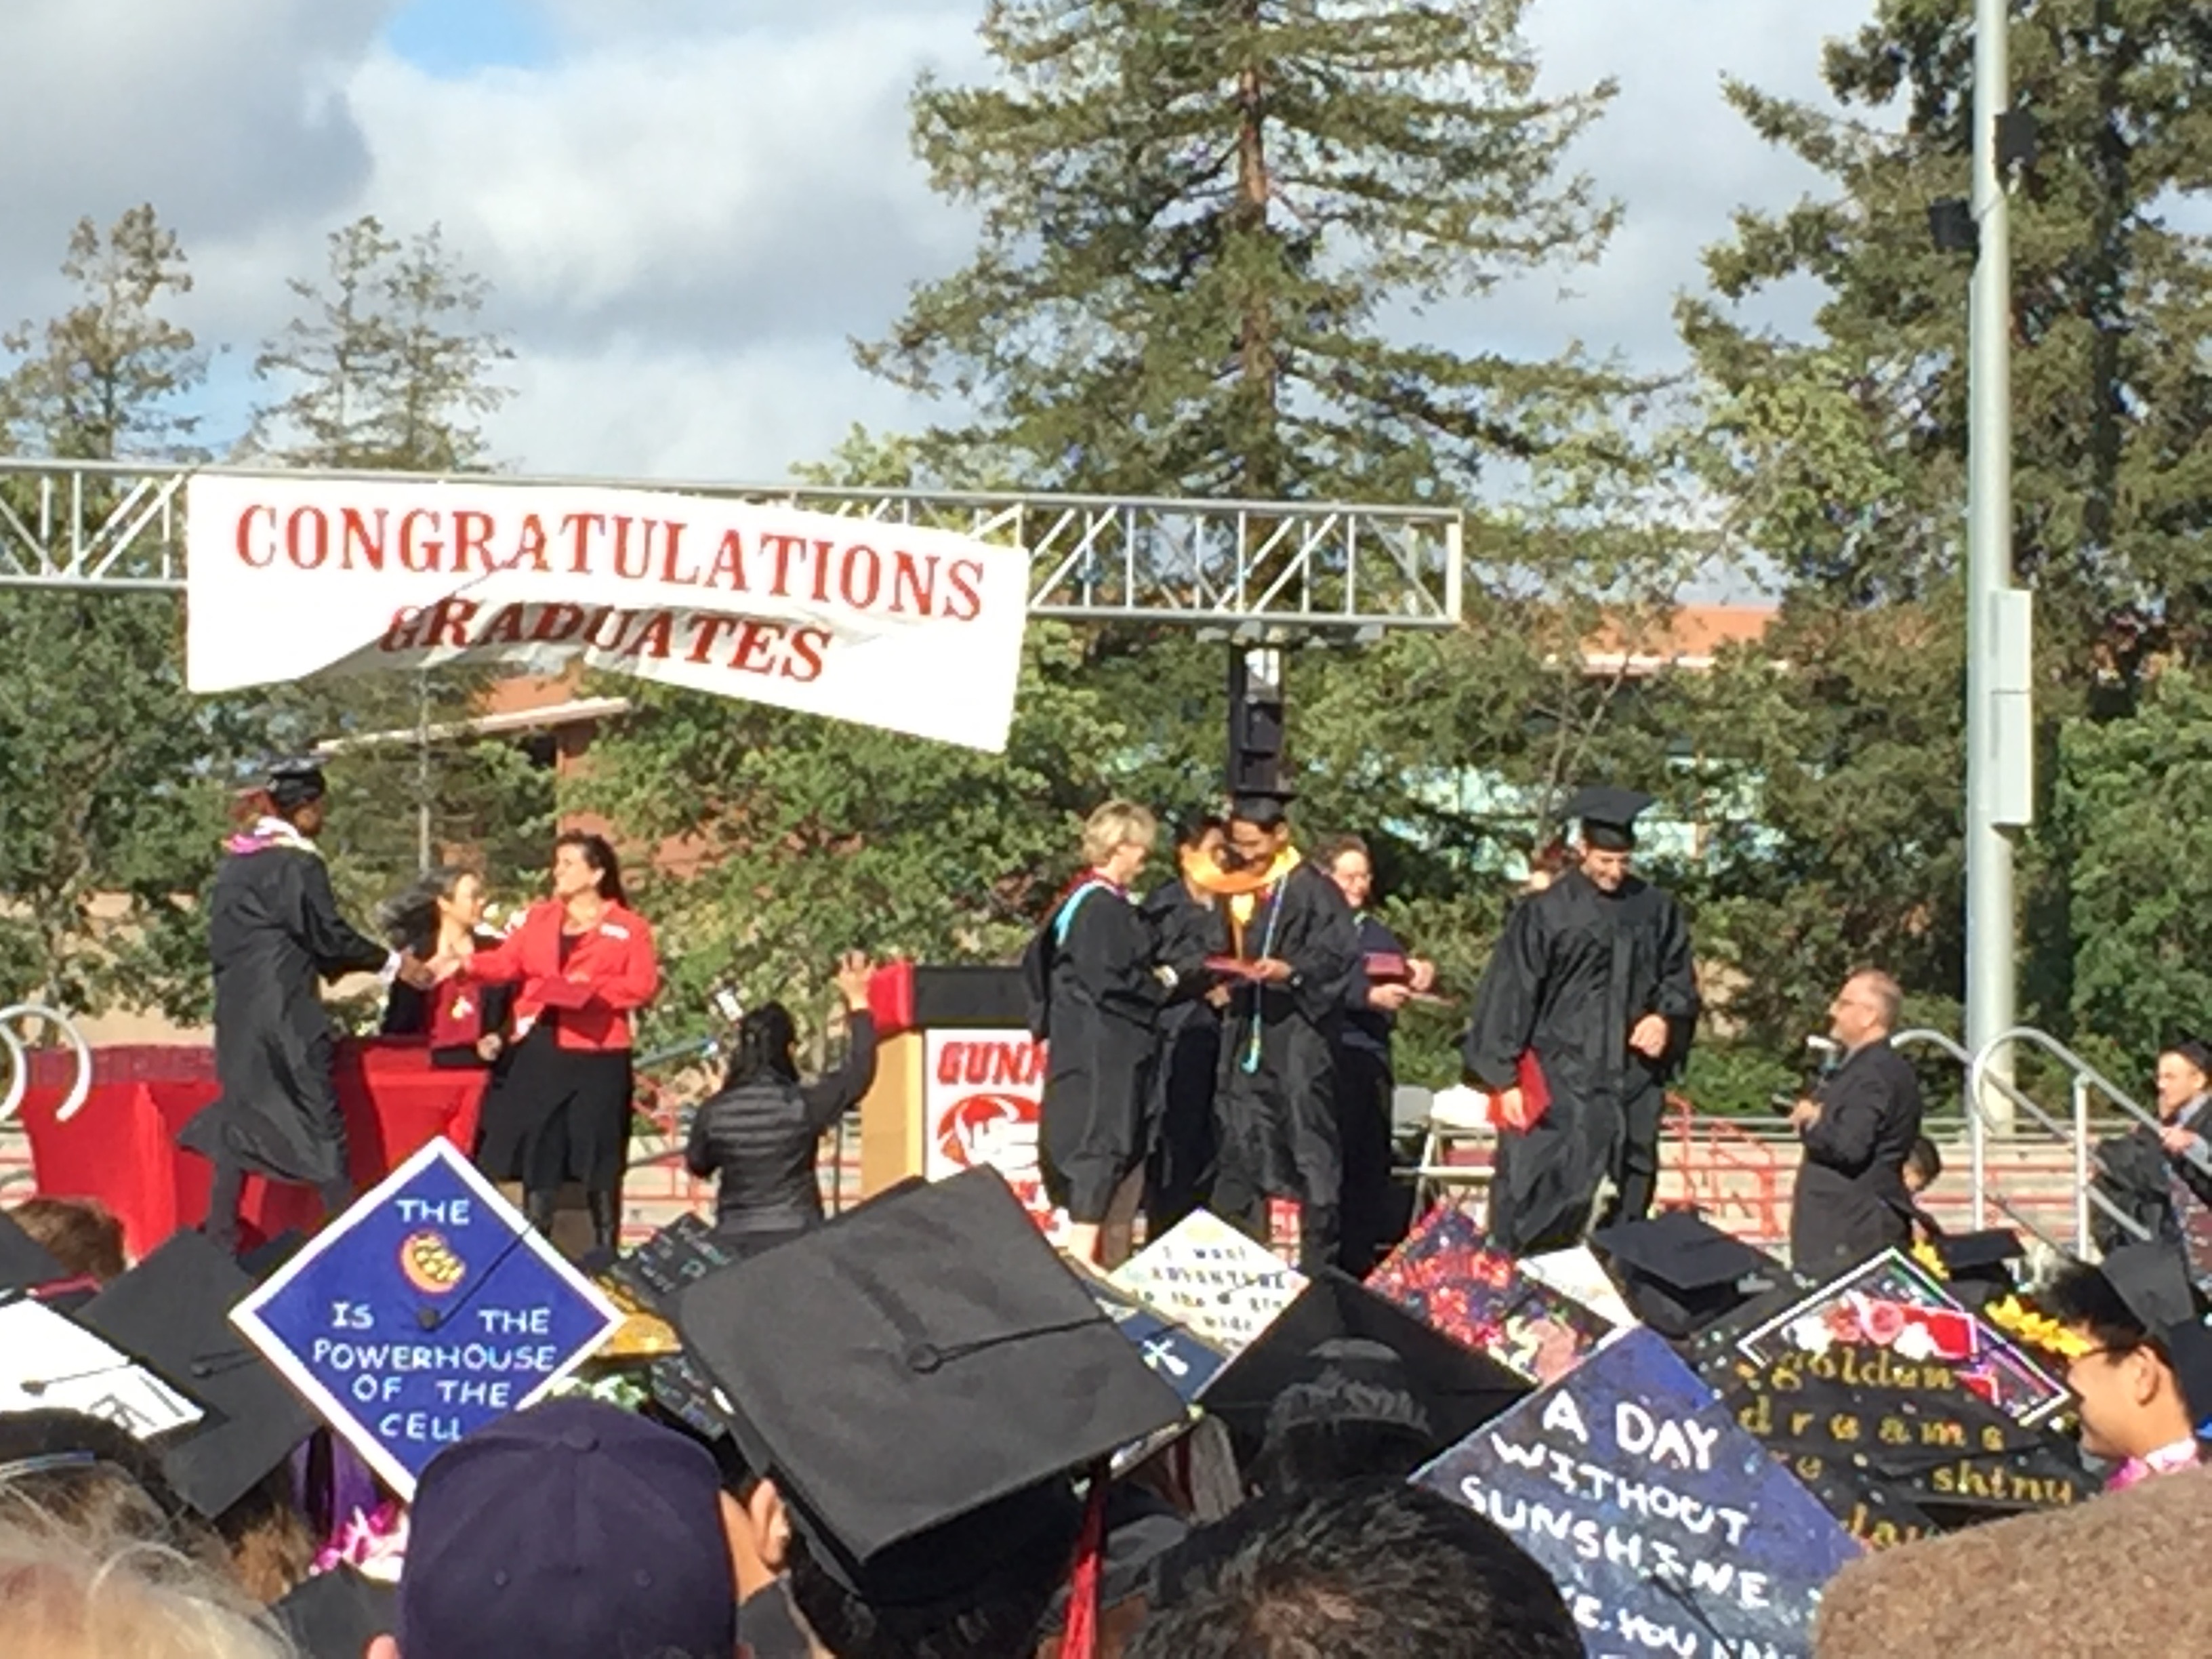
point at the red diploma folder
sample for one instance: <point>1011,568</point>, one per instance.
<point>1232,968</point>
<point>1535,1096</point>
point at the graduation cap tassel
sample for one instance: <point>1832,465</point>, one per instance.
<point>1079,1636</point>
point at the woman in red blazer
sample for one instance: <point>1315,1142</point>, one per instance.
<point>581,964</point>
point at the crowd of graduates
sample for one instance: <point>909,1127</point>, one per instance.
<point>1546,1424</point>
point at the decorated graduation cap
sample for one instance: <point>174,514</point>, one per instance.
<point>24,1264</point>
<point>919,1379</point>
<point>1608,815</point>
<point>1340,1340</point>
<point>172,1312</point>
<point>1680,1274</point>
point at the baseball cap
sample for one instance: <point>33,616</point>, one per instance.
<point>572,1530</point>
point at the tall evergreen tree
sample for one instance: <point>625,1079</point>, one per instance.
<point>390,365</point>
<point>1203,225</point>
<point>109,792</point>
<point>1839,455</point>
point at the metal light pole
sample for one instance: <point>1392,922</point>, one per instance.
<point>1999,726</point>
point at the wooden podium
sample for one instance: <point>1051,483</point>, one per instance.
<point>959,1080</point>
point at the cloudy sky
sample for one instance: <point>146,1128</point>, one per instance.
<point>688,207</point>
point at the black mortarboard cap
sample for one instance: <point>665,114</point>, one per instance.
<point>920,1378</point>
<point>295,782</point>
<point>336,1614</point>
<point>1608,815</point>
<point>1680,1274</point>
<point>1255,806</point>
<point>1978,1265</point>
<point>24,1264</point>
<point>2153,1280</point>
<point>1457,1388</point>
<point>172,1312</point>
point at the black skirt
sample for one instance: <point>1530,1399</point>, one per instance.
<point>555,1114</point>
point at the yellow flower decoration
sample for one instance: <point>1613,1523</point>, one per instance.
<point>2015,1317</point>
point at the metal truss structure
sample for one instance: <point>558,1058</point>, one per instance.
<point>1263,566</point>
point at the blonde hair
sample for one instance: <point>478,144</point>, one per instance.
<point>1117,824</point>
<point>66,1593</point>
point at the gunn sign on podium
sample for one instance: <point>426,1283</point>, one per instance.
<point>426,1310</point>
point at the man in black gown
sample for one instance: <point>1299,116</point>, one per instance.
<point>1595,975</point>
<point>1186,930</point>
<point>273,932</point>
<point>1276,1108</point>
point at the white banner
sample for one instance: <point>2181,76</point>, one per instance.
<point>911,629</point>
<point>982,1100</point>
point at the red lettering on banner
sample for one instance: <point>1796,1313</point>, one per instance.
<point>582,525</point>
<point>671,537</point>
<point>418,557</point>
<point>318,542</point>
<point>755,640</point>
<point>622,549</point>
<point>805,663</point>
<point>821,552</point>
<point>1020,1063</point>
<point>600,617</point>
<point>653,640</point>
<point>354,534</point>
<point>449,624</point>
<point>472,534</point>
<point>781,546</point>
<point>558,624</point>
<point>707,631</point>
<point>531,545</point>
<point>862,593</point>
<point>908,583</point>
<point>968,604</point>
<point>505,628</point>
<point>400,636</point>
<point>730,557</point>
<point>246,537</point>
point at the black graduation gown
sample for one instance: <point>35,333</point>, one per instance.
<point>1186,1056</point>
<point>1099,1023</point>
<point>1374,1222</point>
<point>1276,1108</point>
<point>1850,1199</point>
<point>1574,971</point>
<point>2136,1175</point>
<point>273,932</point>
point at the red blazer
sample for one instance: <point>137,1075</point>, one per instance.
<point>611,971</point>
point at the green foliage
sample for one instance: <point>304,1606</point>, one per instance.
<point>1196,219</point>
<point>388,366</point>
<point>2134,799</point>
<point>798,838</point>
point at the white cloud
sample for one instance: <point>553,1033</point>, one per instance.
<point>691,205</point>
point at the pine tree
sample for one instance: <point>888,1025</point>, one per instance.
<point>389,367</point>
<point>1201,222</point>
<point>108,769</point>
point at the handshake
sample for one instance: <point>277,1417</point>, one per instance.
<point>422,974</point>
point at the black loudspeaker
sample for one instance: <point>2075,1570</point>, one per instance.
<point>1255,720</point>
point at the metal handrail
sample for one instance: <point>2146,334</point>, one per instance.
<point>2085,1077</point>
<point>2086,1197</point>
<point>18,1060</point>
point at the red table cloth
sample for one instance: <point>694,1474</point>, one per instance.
<point>120,1148</point>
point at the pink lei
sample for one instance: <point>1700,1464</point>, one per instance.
<point>373,1543</point>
